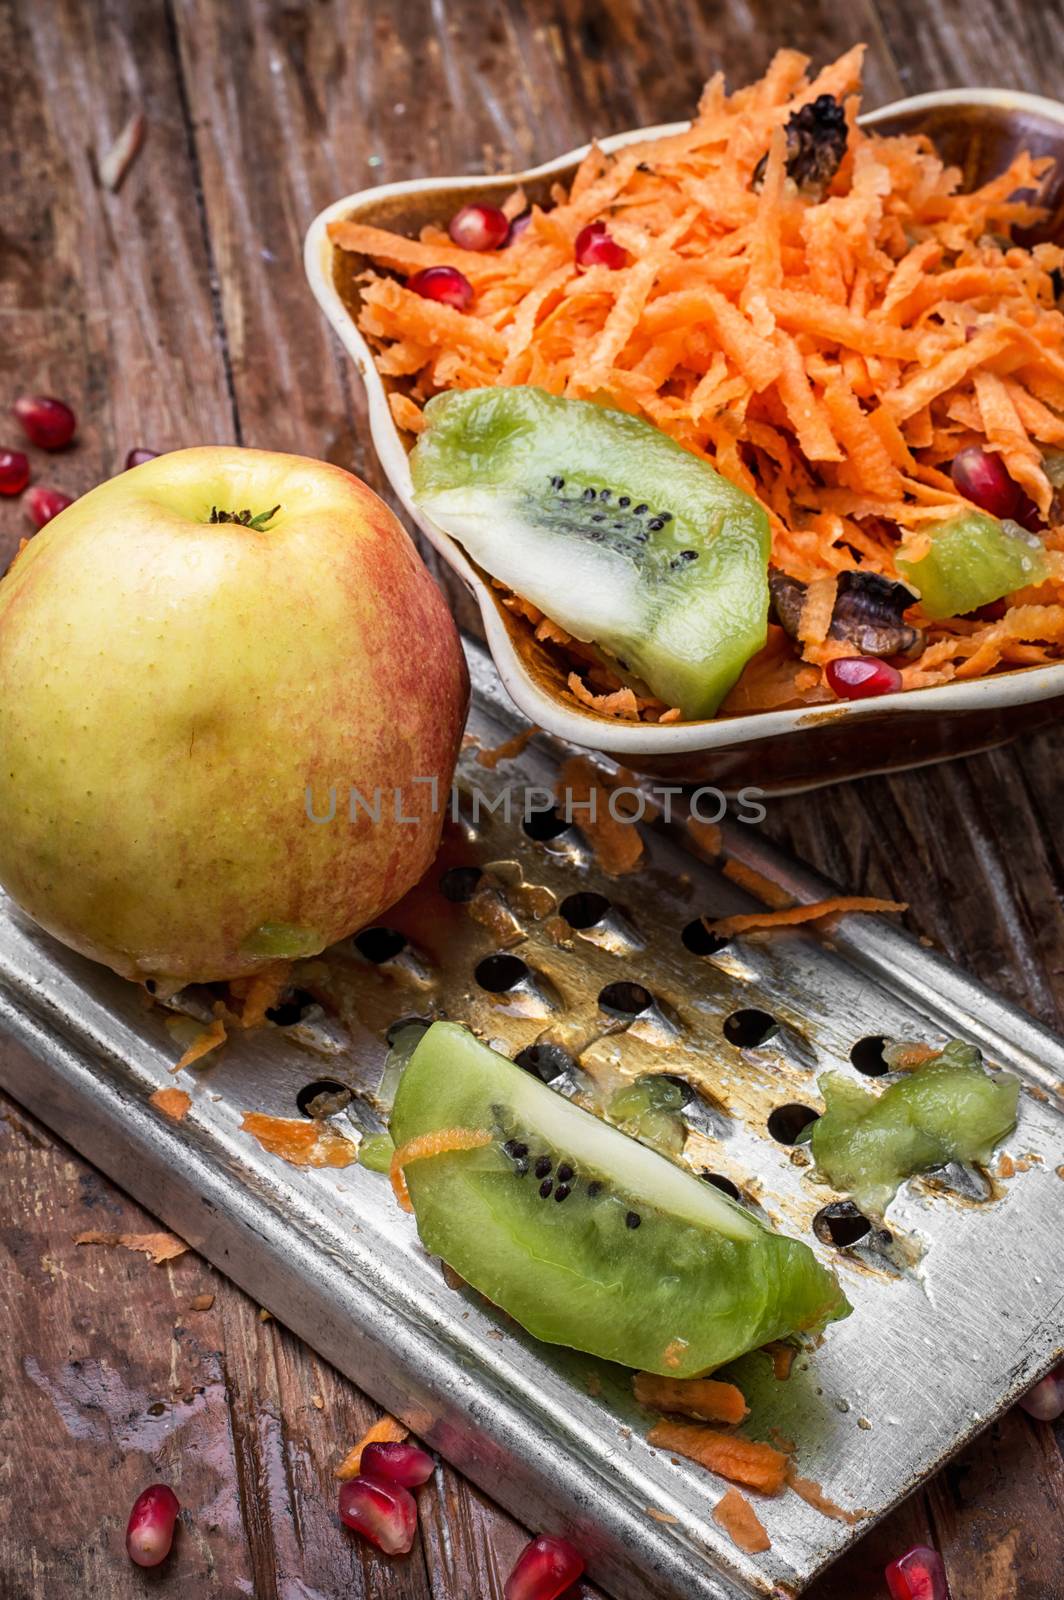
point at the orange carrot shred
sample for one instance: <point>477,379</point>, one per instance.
<point>790,916</point>
<point>740,1460</point>
<point>704,1398</point>
<point>741,1522</point>
<point>440,1142</point>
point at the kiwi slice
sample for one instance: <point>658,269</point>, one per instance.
<point>949,1109</point>
<point>587,1237</point>
<point>611,528</point>
<point>974,559</point>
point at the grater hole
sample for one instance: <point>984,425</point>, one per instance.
<point>459,884</point>
<point>500,973</point>
<point>323,1098</point>
<point>380,944</point>
<point>867,1056</point>
<point>625,999</point>
<point>841,1224</point>
<point>546,1061</point>
<point>294,1002</point>
<point>725,1185</point>
<point>697,938</point>
<point>395,1028</point>
<point>545,825</point>
<point>787,1122</point>
<point>585,909</point>
<point>750,1027</point>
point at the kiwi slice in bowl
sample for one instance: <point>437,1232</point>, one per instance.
<point>585,1236</point>
<point>616,532</point>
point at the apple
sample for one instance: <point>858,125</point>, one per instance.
<point>179,695</point>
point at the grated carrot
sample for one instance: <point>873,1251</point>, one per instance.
<point>704,1398</point>
<point>741,1522</point>
<point>440,1142</point>
<point>740,1460</point>
<point>790,916</point>
<point>828,350</point>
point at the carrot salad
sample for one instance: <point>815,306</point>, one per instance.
<point>830,346</point>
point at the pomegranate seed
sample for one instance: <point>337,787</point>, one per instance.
<point>981,478</point>
<point>1046,1400</point>
<point>479,228</point>
<point>518,226</point>
<point>14,472</point>
<point>918,1575</point>
<point>859,677</point>
<point>397,1463</point>
<point>137,457</point>
<point>445,284</point>
<point>384,1513</point>
<point>595,248</point>
<point>544,1570</point>
<point>150,1532</point>
<point>44,504</point>
<point>46,422</point>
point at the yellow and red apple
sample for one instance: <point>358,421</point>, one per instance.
<point>182,700</point>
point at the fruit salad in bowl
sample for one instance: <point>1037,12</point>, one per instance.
<point>833,342</point>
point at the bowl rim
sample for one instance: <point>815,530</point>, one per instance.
<point>1021,686</point>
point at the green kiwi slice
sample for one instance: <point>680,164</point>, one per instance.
<point>611,528</point>
<point>973,559</point>
<point>585,1236</point>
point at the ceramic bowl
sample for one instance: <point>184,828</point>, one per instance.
<point>778,751</point>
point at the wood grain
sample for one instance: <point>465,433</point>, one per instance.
<point>175,312</point>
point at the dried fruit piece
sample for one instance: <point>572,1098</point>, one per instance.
<point>867,614</point>
<point>43,504</point>
<point>446,284</point>
<point>918,1575</point>
<point>478,227</point>
<point>397,1461</point>
<point>816,143</point>
<point>545,1569</point>
<point>46,421</point>
<point>150,1530</point>
<point>14,472</point>
<point>382,1512</point>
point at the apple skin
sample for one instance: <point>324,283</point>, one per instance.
<point>170,687</point>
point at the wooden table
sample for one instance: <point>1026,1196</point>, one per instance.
<point>175,312</point>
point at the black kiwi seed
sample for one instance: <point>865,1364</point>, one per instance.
<point>594,1188</point>
<point>565,1173</point>
<point>562,1192</point>
<point>557,483</point>
<point>604,494</point>
<point>589,494</point>
<point>639,510</point>
<point>625,500</point>
<point>655,524</point>
<point>632,1220</point>
<point>666,516</point>
<point>545,1187</point>
<point>521,1169</point>
<point>598,516</point>
<point>543,1166</point>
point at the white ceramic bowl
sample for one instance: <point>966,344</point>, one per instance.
<point>779,751</point>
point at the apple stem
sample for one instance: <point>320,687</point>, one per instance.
<point>260,521</point>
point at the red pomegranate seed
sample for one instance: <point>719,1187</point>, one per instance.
<point>479,228</point>
<point>544,1570</point>
<point>43,504</point>
<point>918,1575</point>
<point>150,1532</point>
<point>981,478</point>
<point>1046,1400</point>
<point>14,472</point>
<point>384,1513</point>
<point>137,457</point>
<point>595,248</point>
<point>859,677</point>
<point>46,422</point>
<point>397,1463</point>
<point>445,284</point>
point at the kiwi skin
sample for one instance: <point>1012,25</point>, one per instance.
<point>609,526</point>
<point>637,1262</point>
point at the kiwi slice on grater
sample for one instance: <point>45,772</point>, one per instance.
<point>583,1235</point>
<point>610,527</point>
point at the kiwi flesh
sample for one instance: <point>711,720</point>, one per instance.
<point>589,1238</point>
<point>972,560</point>
<point>610,527</point>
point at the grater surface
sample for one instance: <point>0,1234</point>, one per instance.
<point>958,1305</point>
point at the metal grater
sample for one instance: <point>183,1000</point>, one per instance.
<point>958,1307</point>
